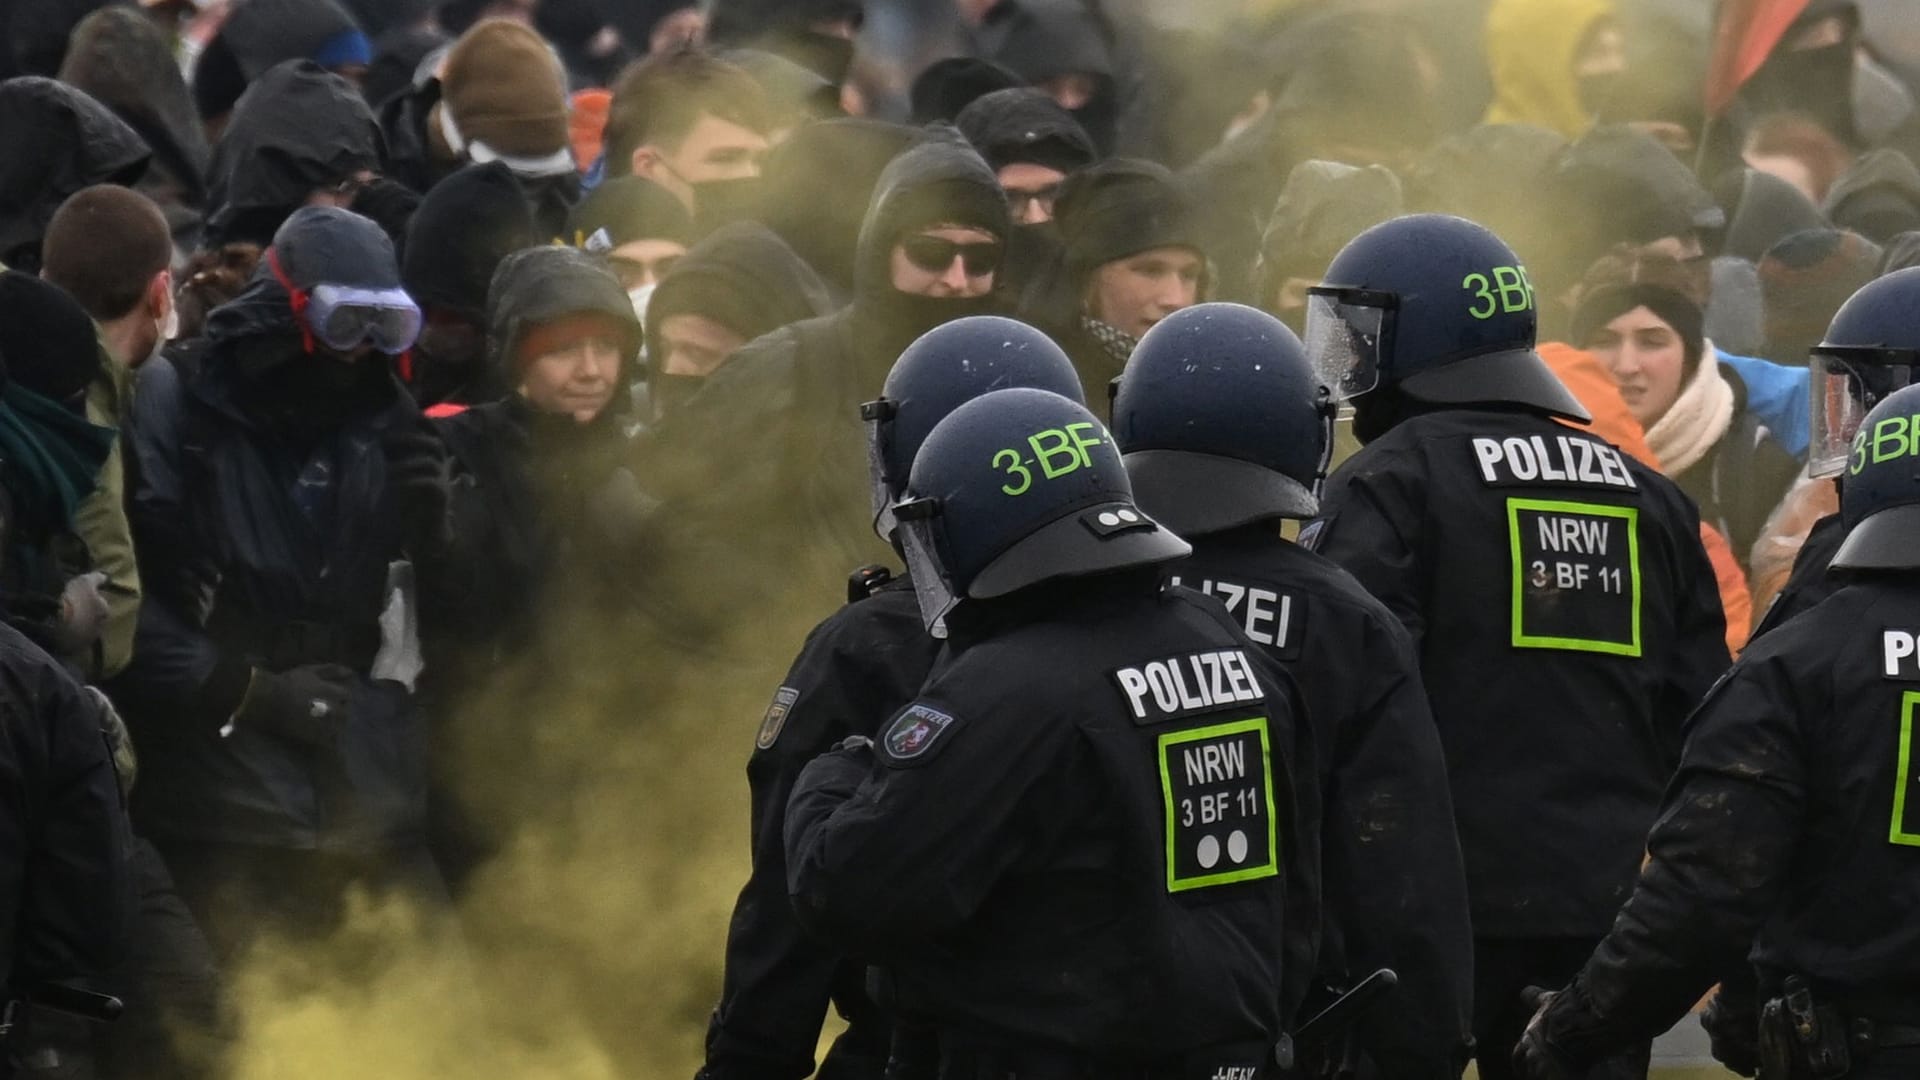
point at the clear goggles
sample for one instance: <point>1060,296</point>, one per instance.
<point>1347,337</point>
<point>1844,384</point>
<point>345,317</point>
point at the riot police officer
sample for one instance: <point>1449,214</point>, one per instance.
<point>1225,431</point>
<point>1794,823</point>
<point>857,668</point>
<point>1071,850</point>
<point>1563,610</point>
<point>1871,349</point>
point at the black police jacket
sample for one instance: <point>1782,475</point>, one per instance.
<point>1566,620</point>
<point>243,576</point>
<point>856,670</point>
<point>1394,891</point>
<point>66,897</point>
<point>1080,836</point>
<point>1809,582</point>
<point>1793,826</point>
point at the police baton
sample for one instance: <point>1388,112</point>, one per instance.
<point>1333,1021</point>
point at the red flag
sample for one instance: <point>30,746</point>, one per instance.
<point>1744,33</point>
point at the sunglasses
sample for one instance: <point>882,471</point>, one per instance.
<point>934,255</point>
<point>345,317</point>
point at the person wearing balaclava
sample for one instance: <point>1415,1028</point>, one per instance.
<point>299,135</point>
<point>1067,50</point>
<point>1811,71</point>
<point>737,284</point>
<point>780,420</point>
<point>260,34</point>
<point>500,94</point>
<point>541,504</point>
<point>51,458</point>
<point>281,479</point>
<point>1131,256</point>
<point>1877,197</point>
<point>464,227</point>
<point>59,140</point>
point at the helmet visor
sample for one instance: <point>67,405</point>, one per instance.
<point>1845,385</point>
<point>932,586</point>
<point>1346,336</point>
<point>874,415</point>
<point>346,318</point>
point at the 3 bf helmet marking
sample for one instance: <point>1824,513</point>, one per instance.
<point>1049,448</point>
<point>1509,291</point>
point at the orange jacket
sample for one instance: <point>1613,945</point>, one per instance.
<point>1590,381</point>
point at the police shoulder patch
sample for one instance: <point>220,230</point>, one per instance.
<point>914,733</point>
<point>776,719</point>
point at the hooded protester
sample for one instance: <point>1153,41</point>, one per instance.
<point>1804,278</point>
<point>1552,62</point>
<point>779,419</point>
<point>1324,205</point>
<point>638,228</point>
<point>262,34</point>
<point>59,140</point>
<point>464,227</point>
<point>948,86</point>
<point>1032,145</point>
<point>734,286</point>
<point>1879,197</point>
<point>298,136</point>
<point>816,34</point>
<point>281,475</point>
<point>1131,256</point>
<point>1810,71</point>
<point>120,57</point>
<point>398,56</point>
<point>1064,48</point>
<point>52,460</point>
<point>499,95</point>
<point>1641,315</point>
<point>818,186</point>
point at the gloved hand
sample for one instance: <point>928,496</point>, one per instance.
<point>1536,1058</point>
<point>419,472</point>
<point>1734,1027</point>
<point>307,704</point>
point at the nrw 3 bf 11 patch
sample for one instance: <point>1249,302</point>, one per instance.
<point>776,719</point>
<point>914,733</point>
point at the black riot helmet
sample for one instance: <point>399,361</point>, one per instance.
<point>1880,497</point>
<point>1872,349</point>
<point>1222,421</point>
<point>1439,310</point>
<point>943,369</point>
<point>1015,488</point>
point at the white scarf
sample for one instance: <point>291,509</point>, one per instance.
<point>1698,419</point>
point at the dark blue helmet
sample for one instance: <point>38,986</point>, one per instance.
<point>1014,488</point>
<point>1872,348</point>
<point>948,366</point>
<point>1437,308</point>
<point>1222,421</point>
<point>1880,498</point>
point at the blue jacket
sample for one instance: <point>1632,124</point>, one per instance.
<point>1777,397</point>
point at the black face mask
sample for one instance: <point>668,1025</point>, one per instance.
<point>1818,82</point>
<point>309,393</point>
<point>667,393</point>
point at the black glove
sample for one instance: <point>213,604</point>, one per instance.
<point>418,471</point>
<point>1733,1025</point>
<point>307,705</point>
<point>1536,1058</point>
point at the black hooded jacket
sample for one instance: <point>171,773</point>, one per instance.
<point>535,496</point>
<point>59,140</point>
<point>1042,39</point>
<point>266,528</point>
<point>780,420</point>
<point>296,129</point>
<point>121,57</point>
<point>1025,125</point>
<point>743,277</point>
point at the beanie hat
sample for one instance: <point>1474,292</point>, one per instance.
<point>504,98</point>
<point>1024,125</point>
<point>1624,280</point>
<point>1118,208</point>
<point>48,341</point>
<point>948,86</point>
<point>467,223</point>
<point>1805,278</point>
<point>626,209</point>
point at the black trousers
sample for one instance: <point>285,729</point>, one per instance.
<point>1502,969</point>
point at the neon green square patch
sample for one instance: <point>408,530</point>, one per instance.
<point>1576,576</point>
<point>1900,832</point>
<point>1218,785</point>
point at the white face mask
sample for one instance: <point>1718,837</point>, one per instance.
<point>640,297</point>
